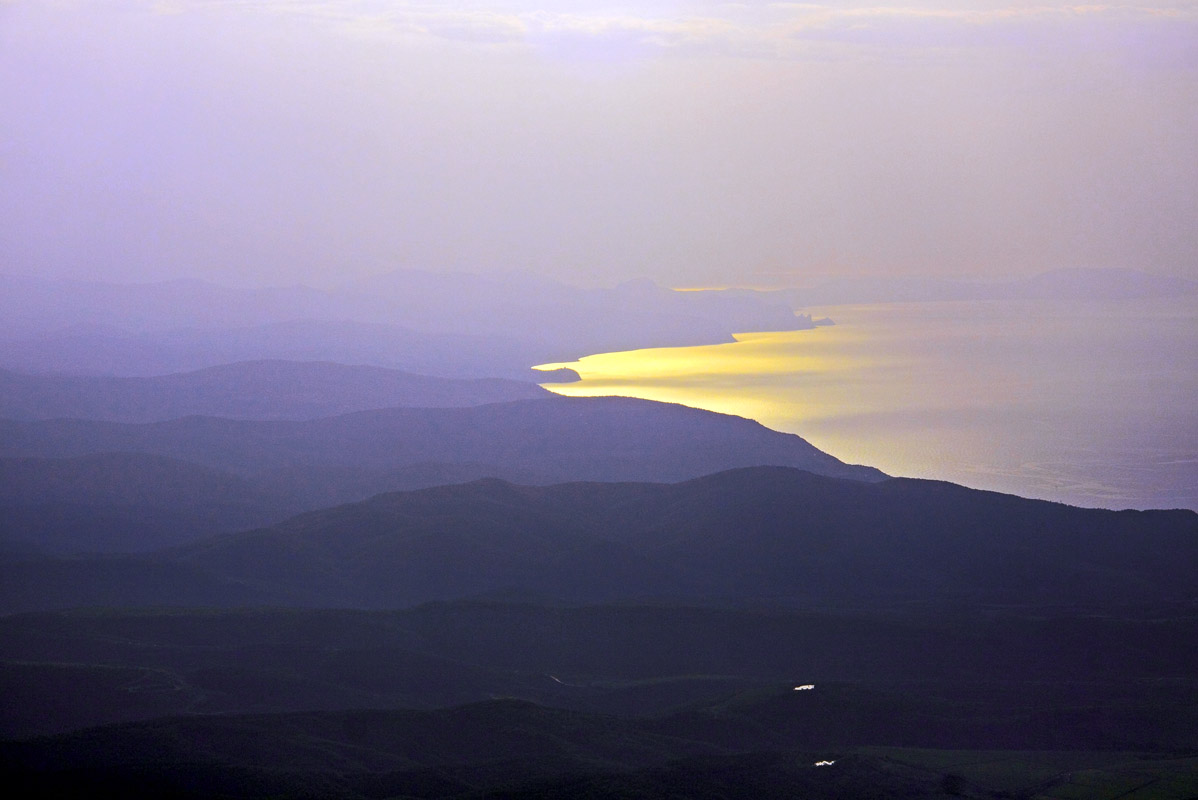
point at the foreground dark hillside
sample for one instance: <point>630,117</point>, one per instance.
<point>638,701</point>
<point>759,534</point>
<point>778,743</point>
<point>1121,679</point>
<point>956,644</point>
<point>247,390</point>
<point>507,748</point>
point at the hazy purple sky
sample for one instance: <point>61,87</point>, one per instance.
<point>697,143</point>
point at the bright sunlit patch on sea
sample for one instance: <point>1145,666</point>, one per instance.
<point>764,354</point>
<point>741,378</point>
<point>1086,403</point>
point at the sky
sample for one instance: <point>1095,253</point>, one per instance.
<point>694,143</point>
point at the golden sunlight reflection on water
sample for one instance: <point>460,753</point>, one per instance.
<point>1090,404</point>
<point>742,378</point>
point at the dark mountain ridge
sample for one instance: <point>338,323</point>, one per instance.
<point>750,535</point>
<point>766,532</point>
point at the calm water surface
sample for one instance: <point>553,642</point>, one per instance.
<point>1088,403</point>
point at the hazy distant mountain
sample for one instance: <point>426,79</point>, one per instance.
<point>247,390</point>
<point>31,304</point>
<point>570,320</point>
<point>447,324</point>
<point>453,324</point>
<point>1061,285</point>
<point>513,303</point>
<point>91,350</point>
<point>607,438</point>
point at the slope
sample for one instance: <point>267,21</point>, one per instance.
<point>757,533</point>
<point>608,438</point>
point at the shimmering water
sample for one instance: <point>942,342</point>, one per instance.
<point>1088,403</point>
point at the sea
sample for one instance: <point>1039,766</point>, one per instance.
<point>1091,403</point>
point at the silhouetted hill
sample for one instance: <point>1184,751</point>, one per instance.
<point>247,390</point>
<point>751,533</point>
<point>560,438</point>
<point>773,534</point>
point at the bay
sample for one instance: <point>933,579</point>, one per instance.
<point>1089,403</point>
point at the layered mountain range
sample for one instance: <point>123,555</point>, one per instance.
<point>297,579</point>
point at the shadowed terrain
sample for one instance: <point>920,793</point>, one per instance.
<point>1126,674</point>
<point>766,533</point>
<point>648,701</point>
<point>956,643</point>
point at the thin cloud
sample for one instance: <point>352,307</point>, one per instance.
<point>771,30</point>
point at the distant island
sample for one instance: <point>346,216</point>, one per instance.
<point>805,322</point>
